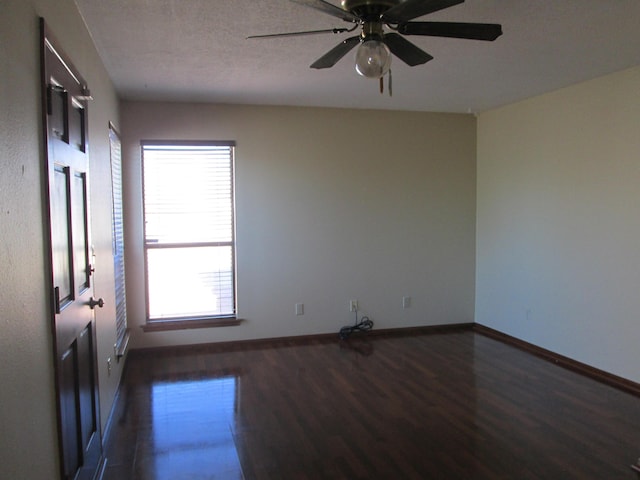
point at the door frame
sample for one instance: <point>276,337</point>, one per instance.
<point>49,42</point>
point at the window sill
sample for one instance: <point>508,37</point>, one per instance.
<point>166,325</point>
<point>121,347</point>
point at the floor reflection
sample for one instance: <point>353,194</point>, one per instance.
<point>191,430</point>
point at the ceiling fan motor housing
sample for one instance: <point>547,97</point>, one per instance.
<point>369,10</point>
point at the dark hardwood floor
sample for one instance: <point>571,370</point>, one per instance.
<point>441,406</point>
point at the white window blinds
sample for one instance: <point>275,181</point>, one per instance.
<point>122,335</point>
<point>189,229</point>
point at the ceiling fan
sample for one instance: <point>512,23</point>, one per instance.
<point>373,58</point>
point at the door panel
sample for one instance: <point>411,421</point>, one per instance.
<point>58,113</point>
<point>77,126</point>
<point>67,195</point>
<point>86,398</point>
<point>68,412</point>
<point>80,230</point>
<point>60,236</point>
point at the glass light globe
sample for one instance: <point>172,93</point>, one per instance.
<point>373,59</point>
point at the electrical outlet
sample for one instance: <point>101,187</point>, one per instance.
<point>406,302</point>
<point>353,305</point>
<point>299,308</point>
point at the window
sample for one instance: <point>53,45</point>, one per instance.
<point>122,332</point>
<point>189,234</point>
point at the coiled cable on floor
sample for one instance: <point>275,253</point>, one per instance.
<point>364,325</point>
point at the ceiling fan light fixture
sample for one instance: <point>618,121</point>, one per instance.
<point>373,58</point>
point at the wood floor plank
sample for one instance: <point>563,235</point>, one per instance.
<point>439,406</point>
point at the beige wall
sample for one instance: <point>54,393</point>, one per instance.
<point>558,262</point>
<point>28,442</point>
<point>332,205</point>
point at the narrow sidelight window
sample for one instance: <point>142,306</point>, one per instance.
<point>189,235</point>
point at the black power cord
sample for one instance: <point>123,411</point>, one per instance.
<point>364,325</point>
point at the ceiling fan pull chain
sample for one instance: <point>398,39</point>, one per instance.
<point>390,86</point>
<point>381,85</point>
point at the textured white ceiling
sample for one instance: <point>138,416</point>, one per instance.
<point>196,50</point>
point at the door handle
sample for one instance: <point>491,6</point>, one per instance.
<point>93,302</point>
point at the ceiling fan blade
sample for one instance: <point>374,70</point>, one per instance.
<point>410,9</point>
<point>330,58</point>
<point>329,9</point>
<point>297,34</point>
<point>471,31</point>
<point>405,50</point>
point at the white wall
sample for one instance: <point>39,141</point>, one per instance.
<point>332,205</point>
<point>28,442</point>
<point>558,262</point>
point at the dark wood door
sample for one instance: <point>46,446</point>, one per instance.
<point>67,195</point>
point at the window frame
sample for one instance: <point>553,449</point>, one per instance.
<point>190,321</point>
